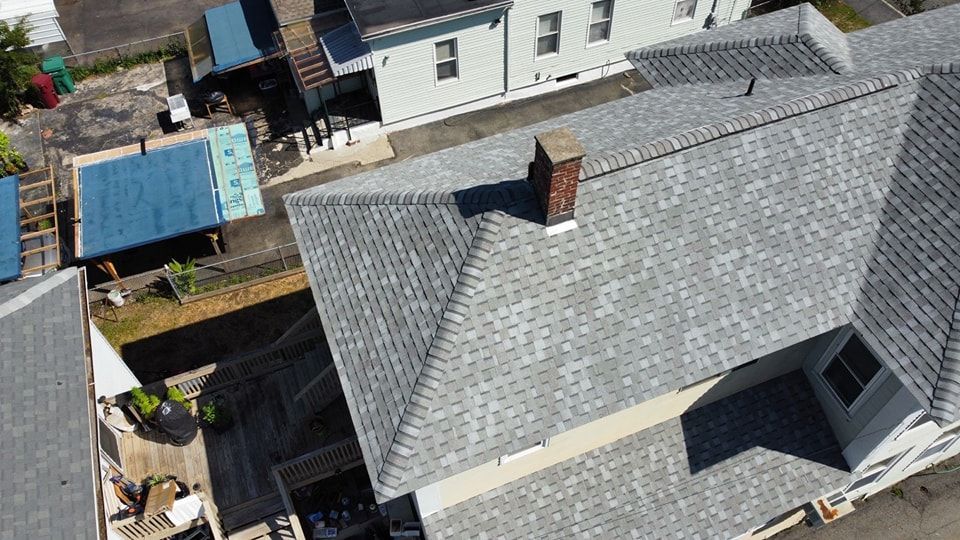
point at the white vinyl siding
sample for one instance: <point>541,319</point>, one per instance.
<point>406,75</point>
<point>635,24</point>
<point>600,21</point>
<point>548,34</point>
<point>41,15</point>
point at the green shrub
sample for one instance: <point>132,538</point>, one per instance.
<point>144,402</point>
<point>215,415</point>
<point>174,394</point>
<point>111,65</point>
<point>17,66</point>
<point>184,275</point>
<point>45,224</point>
<point>10,159</point>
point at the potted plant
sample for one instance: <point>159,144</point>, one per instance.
<point>214,415</point>
<point>144,403</point>
<point>174,394</point>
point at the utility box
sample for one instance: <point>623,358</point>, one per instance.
<point>62,80</point>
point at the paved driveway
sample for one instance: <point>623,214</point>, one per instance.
<point>100,24</point>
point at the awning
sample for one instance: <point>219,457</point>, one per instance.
<point>231,36</point>
<point>9,228</point>
<point>345,52</point>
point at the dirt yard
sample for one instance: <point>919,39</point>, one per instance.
<point>157,337</point>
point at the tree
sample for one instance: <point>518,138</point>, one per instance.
<point>17,65</point>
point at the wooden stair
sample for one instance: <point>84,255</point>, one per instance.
<point>311,67</point>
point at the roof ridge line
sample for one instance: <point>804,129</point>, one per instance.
<point>26,297</point>
<point>714,46</point>
<point>946,390</point>
<point>490,194</point>
<point>415,412</point>
<point>593,166</point>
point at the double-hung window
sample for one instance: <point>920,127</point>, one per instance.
<point>851,370</point>
<point>600,15</point>
<point>683,10</point>
<point>445,58</point>
<point>548,34</point>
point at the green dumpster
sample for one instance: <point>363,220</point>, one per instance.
<point>62,81</point>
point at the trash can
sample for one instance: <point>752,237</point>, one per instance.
<point>62,80</point>
<point>44,84</point>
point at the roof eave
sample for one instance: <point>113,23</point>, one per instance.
<point>365,36</point>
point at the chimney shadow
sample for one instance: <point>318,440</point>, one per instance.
<point>512,197</point>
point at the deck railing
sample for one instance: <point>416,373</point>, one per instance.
<point>320,464</point>
<point>219,375</point>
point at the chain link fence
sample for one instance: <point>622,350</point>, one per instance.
<point>194,281</point>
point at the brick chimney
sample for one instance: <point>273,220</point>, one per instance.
<point>555,173</point>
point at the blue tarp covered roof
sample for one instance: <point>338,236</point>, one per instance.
<point>240,32</point>
<point>136,199</point>
<point>9,227</point>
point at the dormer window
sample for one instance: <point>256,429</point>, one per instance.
<point>851,371</point>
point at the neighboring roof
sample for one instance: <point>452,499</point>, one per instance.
<point>10,259</point>
<point>720,468</point>
<point>197,181</point>
<point>377,18</point>
<point>288,11</point>
<point>240,32</point>
<point>48,478</point>
<point>709,235</point>
<point>345,52</point>
<point>791,42</point>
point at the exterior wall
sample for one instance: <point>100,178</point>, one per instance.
<point>404,63</point>
<point>110,374</point>
<point>41,15</point>
<point>635,23</point>
<point>576,441</point>
<point>406,76</point>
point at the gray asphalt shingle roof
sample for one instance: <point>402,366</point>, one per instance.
<point>720,468</point>
<point>46,483</point>
<point>709,235</point>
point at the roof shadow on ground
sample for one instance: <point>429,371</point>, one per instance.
<point>213,339</point>
<point>780,415</point>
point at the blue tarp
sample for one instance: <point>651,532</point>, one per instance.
<point>134,200</point>
<point>240,32</point>
<point>9,228</point>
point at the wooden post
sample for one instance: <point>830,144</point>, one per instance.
<point>107,266</point>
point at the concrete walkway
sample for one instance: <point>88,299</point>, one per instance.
<point>927,508</point>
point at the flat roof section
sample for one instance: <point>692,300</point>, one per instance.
<point>376,18</point>
<point>137,199</point>
<point>240,33</point>
<point>9,227</point>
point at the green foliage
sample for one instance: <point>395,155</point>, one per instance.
<point>11,162</point>
<point>184,275</point>
<point>144,402</point>
<point>215,415</point>
<point>914,7</point>
<point>174,394</point>
<point>17,65</point>
<point>897,492</point>
<point>45,224</point>
<point>104,67</point>
<point>155,479</point>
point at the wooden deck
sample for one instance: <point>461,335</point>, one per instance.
<point>270,428</point>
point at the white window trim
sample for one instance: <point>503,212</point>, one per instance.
<point>868,390</point>
<point>673,16</point>
<point>537,36</point>
<point>117,436</point>
<point>507,458</point>
<point>456,59</point>
<point>950,437</point>
<point>609,22</point>
<point>880,469</point>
